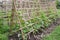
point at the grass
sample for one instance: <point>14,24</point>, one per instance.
<point>58,11</point>
<point>55,35</point>
<point>3,37</point>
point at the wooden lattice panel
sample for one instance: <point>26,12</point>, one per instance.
<point>28,8</point>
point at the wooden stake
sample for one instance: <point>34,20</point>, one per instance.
<point>13,14</point>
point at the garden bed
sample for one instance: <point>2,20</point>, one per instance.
<point>42,32</point>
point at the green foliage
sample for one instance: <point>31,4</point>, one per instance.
<point>58,4</point>
<point>40,21</point>
<point>58,12</point>
<point>3,37</point>
<point>3,28</point>
<point>35,23</point>
<point>45,20</point>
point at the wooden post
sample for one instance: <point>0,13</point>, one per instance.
<point>15,35</point>
<point>12,15</point>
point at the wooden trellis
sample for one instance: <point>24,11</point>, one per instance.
<point>27,10</point>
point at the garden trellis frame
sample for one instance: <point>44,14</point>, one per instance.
<point>25,10</point>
